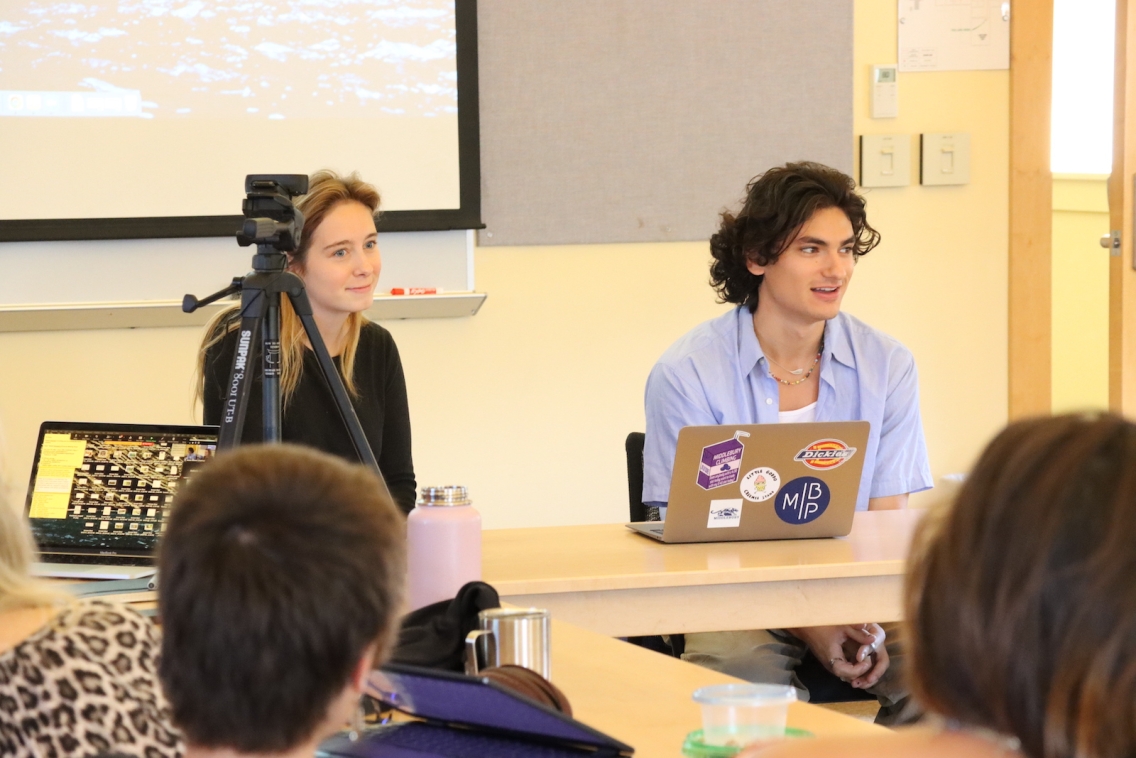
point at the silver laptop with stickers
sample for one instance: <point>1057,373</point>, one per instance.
<point>763,482</point>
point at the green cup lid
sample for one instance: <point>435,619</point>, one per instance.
<point>694,747</point>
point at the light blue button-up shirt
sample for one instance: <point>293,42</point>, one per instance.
<point>717,374</point>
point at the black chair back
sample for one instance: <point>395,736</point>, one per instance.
<point>634,448</point>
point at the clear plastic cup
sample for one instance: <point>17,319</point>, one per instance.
<point>738,714</point>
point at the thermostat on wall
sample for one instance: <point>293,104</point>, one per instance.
<point>885,91</point>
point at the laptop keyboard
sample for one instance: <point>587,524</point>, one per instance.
<point>429,739</point>
<point>110,560</point>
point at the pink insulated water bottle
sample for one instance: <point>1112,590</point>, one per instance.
<point>443,545</point>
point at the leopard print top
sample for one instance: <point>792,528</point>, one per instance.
<point>86,684</point>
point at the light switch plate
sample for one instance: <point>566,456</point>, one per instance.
<point>945,158</point>
<point>885,160</point>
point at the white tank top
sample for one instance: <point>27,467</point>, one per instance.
<point>805,415</point>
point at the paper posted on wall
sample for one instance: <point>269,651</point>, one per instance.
<point>954,35</point>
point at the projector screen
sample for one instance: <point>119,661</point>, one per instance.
<point>141,118</point>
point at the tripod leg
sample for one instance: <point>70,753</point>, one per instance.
<point>270,354</point>
<point>237,390</point>
<point>303,309</point>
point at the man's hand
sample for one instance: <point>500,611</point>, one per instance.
<point>854,652</point>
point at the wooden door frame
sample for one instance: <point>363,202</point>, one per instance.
<point>1122,277</point>
<point>1031,209</point>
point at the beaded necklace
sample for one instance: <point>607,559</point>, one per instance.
<point>808,373</point>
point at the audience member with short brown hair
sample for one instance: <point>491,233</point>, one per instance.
<point>1022,604</point>
<point>281,586</point>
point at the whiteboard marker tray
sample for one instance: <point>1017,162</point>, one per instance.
<point>168,313</point>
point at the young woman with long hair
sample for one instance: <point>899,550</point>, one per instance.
<point>338,259</point>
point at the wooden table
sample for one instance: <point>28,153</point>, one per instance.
<point>610,580</point>
<point>644,698</point>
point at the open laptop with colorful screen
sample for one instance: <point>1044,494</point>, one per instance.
<point>762,482</point>
<point>100,493</point>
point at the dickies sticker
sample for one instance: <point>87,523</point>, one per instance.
<point>760,484</point>
<point>802,500</point>
<point>725,513</point>
<point>824,455</point>
<point>721,462</point>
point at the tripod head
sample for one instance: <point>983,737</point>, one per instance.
<point>272,222</point>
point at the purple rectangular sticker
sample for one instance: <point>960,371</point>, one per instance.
<point>721,462</point>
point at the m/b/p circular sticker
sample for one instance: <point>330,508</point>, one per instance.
<point>802,500</point>
<point>760,484</point>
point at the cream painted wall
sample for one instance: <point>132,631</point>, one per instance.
<point>1080,292</point>
<point>528,402</point>
<point>938,282</point>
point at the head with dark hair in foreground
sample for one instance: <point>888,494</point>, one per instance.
<point>281,583</point>
<point>1021,599</point>
<point>778,203</point>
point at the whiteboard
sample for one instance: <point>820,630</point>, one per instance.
<point>66,284</point>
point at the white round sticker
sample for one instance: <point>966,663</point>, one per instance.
<point>760,484</point>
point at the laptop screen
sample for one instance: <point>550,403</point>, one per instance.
<point>107,488</point>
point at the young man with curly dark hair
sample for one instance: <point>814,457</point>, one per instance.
<point>787,353</point>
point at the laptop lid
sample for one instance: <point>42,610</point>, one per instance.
<point>765,481</point>
<point>473,703</point>
<point>105,489</point>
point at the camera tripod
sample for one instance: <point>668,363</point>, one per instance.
<point>273,224</point>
